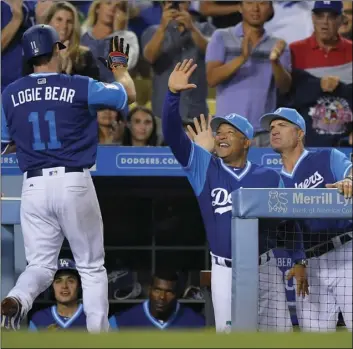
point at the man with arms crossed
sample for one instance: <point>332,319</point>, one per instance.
<point>213,180</point>
<point>328,242</point>
<point>52,119</point>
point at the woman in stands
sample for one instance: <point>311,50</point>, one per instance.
<point>141,128</point>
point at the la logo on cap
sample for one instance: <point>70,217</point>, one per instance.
<point>64,263</point>
<point>327,2</point>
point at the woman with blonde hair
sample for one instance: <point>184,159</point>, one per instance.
<point>107,18</point>
<point>77,59</point>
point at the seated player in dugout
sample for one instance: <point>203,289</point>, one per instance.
<point>68,312</point>
<point>162,310</point>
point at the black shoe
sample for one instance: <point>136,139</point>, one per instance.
<point>10,314</point>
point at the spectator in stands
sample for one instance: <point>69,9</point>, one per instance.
<point>141,128</point>
<point>248,66</point>
<point>16,17</point>
<point>224,13</point>
<point>76,59</point>
<point>322,77</point>
<point>346,26</point>
<point>68,312</point>
<point>177,37</point>
<point>106,19</point>
<point>162,310</point>
<point>285,23</point>
<point>111,126</point>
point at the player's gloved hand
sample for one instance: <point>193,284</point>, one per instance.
<point>299,273</point>
<point>117,57</point>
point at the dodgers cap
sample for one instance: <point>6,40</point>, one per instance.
<point>235,120</point>
<point>288,114</point>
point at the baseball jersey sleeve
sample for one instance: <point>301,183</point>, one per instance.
<point>340,164</point>
<point>196,169</point>
<point>173,131</point>
<point>215,51</point>
<point>104,95</point>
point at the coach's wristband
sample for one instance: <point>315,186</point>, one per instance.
<point>303,262</point>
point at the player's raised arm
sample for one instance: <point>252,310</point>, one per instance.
<point>115,95</point>
<point>341,168</point>
<point>172,125</point>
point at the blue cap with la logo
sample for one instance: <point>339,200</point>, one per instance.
<point>235,120</point>
<point>288,114</point>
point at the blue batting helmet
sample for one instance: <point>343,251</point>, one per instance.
<point>40,40</point>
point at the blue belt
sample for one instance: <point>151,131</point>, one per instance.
<point>39,173</point>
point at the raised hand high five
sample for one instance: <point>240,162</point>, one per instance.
<point>179,78</point>
<point>117,57</point>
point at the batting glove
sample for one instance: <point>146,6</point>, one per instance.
<point>117,57</point>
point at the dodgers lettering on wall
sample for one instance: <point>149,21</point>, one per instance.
<point>147,161</point>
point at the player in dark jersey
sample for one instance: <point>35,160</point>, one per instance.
<point>68,312</point>
<point>52,119</point>
<point>328,242</point>
<point>161,311</point>
<point>213,179</point>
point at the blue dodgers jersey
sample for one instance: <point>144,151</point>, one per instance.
<point>140,316</point>
<point>285,260</point>
<point>49,319</point>
<point>315,169</point>
<point>52,118</point>
<point>213,182</point>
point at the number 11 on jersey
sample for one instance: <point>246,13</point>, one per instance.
<point>38,144</point>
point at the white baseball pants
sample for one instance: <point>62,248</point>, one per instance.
<point>330,288</point>
<point>273,307</point>
<point>55,206</point>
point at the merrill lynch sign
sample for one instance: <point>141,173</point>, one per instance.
<point>298,202</point>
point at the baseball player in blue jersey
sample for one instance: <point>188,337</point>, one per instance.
<point>328,242</point>
<point>68,312</point>
<point>213,179</point>
<point>161,311</point>
<point>51,118</point>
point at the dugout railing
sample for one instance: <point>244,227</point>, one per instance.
<point>249,207</point>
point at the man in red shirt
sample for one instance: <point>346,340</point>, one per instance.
<point>322,77</point>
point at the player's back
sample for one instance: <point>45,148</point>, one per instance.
<point>140,316</point>
<point>49,319</point>
<point>49,120</point>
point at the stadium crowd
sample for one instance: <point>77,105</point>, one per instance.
<point>279,62</point>
<point>252,57</point>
